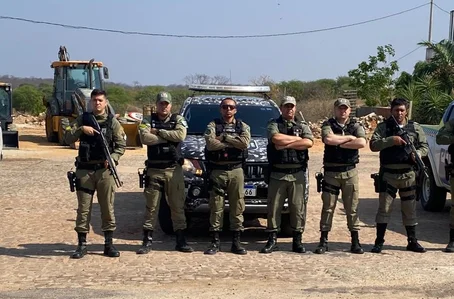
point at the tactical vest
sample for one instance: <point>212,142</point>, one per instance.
<point>169,151</point>
<point>397,154</point>
<point>229,153</point>
<point>91,147</point>
<point>287,156</point>
<point>334,154</point>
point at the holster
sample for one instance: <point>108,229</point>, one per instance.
<point>319,177</point>
<point>144,180</point>
<point>72,180</point>
<point>379,184</point>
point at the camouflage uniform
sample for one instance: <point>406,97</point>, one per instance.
<point>445,136</point>
<point>226,176</point>
<point>340,174</point>
<point>289,181</point>
<point>164,175</point>
<point>92,176</point>
<point>397,174</point>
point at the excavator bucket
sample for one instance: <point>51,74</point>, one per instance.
<point>130,123</point>
<point>10,139</point>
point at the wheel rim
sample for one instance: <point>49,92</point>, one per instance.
<point>425,188</point>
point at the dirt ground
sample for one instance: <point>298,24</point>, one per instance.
<point>37,214</point>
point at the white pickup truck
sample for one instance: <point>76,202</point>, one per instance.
<point>432,192</point>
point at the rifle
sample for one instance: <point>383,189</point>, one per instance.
<point>410,148</point>
<point>302,116</point>
<point>105,148</point>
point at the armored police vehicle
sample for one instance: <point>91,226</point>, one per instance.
<point>255,108</point>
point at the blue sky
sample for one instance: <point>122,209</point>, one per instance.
<point>28,49</point>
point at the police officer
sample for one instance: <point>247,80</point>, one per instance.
<point>164,176</point>
<point>397,172</point>
<point>91,169</point>
<point>446,136</point>
<point>342,136</point>
<point>288,141</point>
<point>227,140</point>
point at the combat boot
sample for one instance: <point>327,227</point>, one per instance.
<point>215,245</point>
<point>380,240</point>
<point>181,242</point>
<point>146,242</point>
<point>413,244</point>
<point>81,249</point>
<point>271,244</point>
<point>450,247</point>
<point>356,246</point>
<point>323,245</point>
<point>297,245</point>
<point>109,248</point>
<point>236,245</point>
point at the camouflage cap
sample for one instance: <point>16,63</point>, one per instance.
<point>342,102</point>
<point>164,97</point>
<point>288,100</point>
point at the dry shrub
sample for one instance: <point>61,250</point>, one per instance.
<point>315,109</point>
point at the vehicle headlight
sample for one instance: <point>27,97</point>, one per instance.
<point>192,166</point>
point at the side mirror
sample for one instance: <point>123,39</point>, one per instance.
<point>106,72</point>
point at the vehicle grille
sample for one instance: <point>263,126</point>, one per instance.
<point>255,171</point>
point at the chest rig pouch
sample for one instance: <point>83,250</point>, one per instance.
<point>90,147</point>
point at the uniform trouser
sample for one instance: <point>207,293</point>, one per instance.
<point>169,183</point>
<point>295,191</point>
<point>347,183</point>
<point>451,213</point>
<point>232,183</point>
<point>406,184</point>
<point>87,182</point>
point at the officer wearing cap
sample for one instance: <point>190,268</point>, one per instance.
<point>343,137</point>
<point>397,173</point>
<point>289,139</point>
<point>162,133</point>
<point>227,140</point>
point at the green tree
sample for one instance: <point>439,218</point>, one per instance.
<point>27,98</point>
<point>374,78</point>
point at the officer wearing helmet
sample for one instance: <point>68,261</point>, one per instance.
<point>162,133</point>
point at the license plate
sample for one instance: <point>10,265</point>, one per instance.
<point>250,191</point>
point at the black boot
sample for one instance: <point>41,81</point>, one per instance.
<point>181,242</point>
<point>236,245</point>
<point>450,247</point>
<point>380,240</point>
<point>81,249</point>
<point>323,245</point>
<point>271,245</point>
<point>297,245</point>
<point>146,242</point>
<point>413,244</point>
<point>109,248</point>
<point>356,246</point>
<point>215,245</point>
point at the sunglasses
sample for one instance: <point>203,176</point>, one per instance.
<point>231,107</point>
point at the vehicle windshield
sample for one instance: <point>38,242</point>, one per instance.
<point>4,104</point>
<point>257,117</point>
<point>79,78</point>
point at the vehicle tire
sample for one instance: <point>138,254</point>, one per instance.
<point>432,197</point>
<point>286,228</point>
<point>164,216</point>
<point>51,136</point>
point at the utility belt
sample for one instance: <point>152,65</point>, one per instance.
<point>288,170</point>
<point>230,166</point>
<point>90,166</point>
<point>396,171</point>
<point>163,164</point>
<point>341,168</point>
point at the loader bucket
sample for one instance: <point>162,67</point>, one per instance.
<point>132,134</point>
<point>10,139</point>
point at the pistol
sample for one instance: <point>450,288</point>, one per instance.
<point>376,178</point>
<point>319,178</point>
<point>142,177</point>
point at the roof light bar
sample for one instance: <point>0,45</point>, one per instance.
<point>229,88</point>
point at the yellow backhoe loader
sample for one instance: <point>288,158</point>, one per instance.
<point>73,82</point>
<point>9,137</point>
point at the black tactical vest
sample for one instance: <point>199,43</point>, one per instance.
<point>397,154</point>
<point>229,153</point>
<point>91,147</point>
<point>287,156</point>
<point>334,154</point>
<point>169,151</point>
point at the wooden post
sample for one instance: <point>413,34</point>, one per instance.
<point>410,108</point>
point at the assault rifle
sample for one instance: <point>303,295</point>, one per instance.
<point>105,148</point>
<point>410,148</point>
